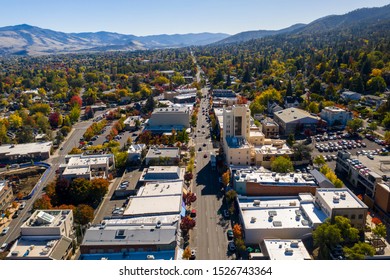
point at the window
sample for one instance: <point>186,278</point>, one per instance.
<point>353,217</point>
<point>360,216</point>
<point>120,234</point>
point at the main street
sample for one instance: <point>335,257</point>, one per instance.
<point>208,237</point>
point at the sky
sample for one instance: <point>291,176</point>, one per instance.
<point>152,17</point>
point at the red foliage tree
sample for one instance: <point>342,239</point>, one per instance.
<point>188,176</point>
<point>187,223</point>
<point>376,221</point>
<point>76,100</point>
<point>54,119</point>
<point>83,214</point>
<point>43,203</point>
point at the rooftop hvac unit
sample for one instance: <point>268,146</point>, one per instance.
<point>150,257</point>
<point>294,244</point>
<point>158,224</point>
<point>288,251</point>
<point>253,219</point>
<point>343,196</point>
<point>256,202</point>
<point>276,179</point>
<point>293,203</point>
<point>32,247</point>
<point>336,199</point>
<point>14,253</point>
<point>296,179</point>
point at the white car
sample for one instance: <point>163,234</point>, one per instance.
<point>3,247</point>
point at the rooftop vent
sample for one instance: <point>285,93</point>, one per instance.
<point>256,202</point>
<point>343,196</point>
<point>277,223</point>
<point>150,257</point>
<point>288,251</point>
<point>294,244</point>
<point>336,199</point>
<point>253,219</point>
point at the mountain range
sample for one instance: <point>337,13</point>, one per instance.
<point>30,40</point>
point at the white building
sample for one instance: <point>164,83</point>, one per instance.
<point>131,122</point>
<point>162,156</point>
<point>134,152</point>
<point>46,235</point>
<point>87,166</point>
<point>162,173</point>
<point>245,144</point>
<point>342,202</point>
<point>267,217</point>
<point>335,116</point>
<point>285,249</point>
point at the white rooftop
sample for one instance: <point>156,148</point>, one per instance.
<point>276,212</point>
<point>153,205</point>
<point>273,178</point>
<point>46,218</point>
<point>161,189</point>
<point>162,173</point>
<point>286,249</point>
<point>339,198</point>
<point>271,149</point>
<point>25,149</point>
<point>163,152</point>
<point>333,109</point>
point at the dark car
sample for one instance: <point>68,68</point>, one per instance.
<point>230,234</point>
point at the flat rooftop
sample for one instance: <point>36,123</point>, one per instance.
<point>87,161</point>
<point>380,165</point>
<point>256,133</point>
<point>46,218</point>
<point>25,149</point>
<point>277,213</point>
<point>163,152</point>
<point>76,170</point>
<point>169,110</point>
<point>271,149</point>
<point>162,173</point>
<point>39,247</point>
<point>237,142</point>
<point>286,249</point>
<point>339,198</point>
<point>294,115</point>
<point>334,109</point>
<point>153,205</point>
<point>3,184</point>
<point>273,178</point>
<point>161,189</point>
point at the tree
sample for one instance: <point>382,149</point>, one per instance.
<point>189,198</point>
<point>387,137</point>
<point>319,160</point>
<point>75,151</point>
<point>98,189</point>
<point>83,214</point>
<point>26,135</point>
<point>88,112</point>
<point>120,159</point>
<point>290,140</point>
<point>237,231</point>
<point>354,124</point>
<point>231,196</point>
<point>187,223</point>
<point>380,230</point>
<point>326,236</point>
<point>15,121</point>
<point>186,253</point>
<point>43,203</point>
<point>67,121</point>
<point>302,151</point>
<point>188,176</point>
<point>135,84</point>
<point>282,164</point>
<point>76,100</point>
<point>373,126</point>
<point>55,119</point>
<point>240,244</point>
<point>79,191</point>
<point>74,114</point>
<point>359,251</point>
<point>226,178</point>
<point>40,107</point>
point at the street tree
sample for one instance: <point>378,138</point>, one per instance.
<point>84,214</point>
<point>226,178</point>
<point>359,251</point>
<point>319,160</point>
<point>354,124</point>
<point>380,230</point>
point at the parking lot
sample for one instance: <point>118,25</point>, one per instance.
<point>328,146</point>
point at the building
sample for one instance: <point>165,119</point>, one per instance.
<point>168,119</point>
<point>87,166</point>
<point>130,237</point>
<point>270,128</point>
<point>286,217</point>
<point>224,97</point>
<point>295,120</point>
<point>285,249</point>
<point>350,96</point>
<point>291,102</point>
<point>371,176</point>
<point>162,156</point>
<point>157,198</point>
<point>223,93</point>
<point>260,182</point>
<point>6,195</point>
<point>10,153</point>
<point>46,235</point>
<point>244,144</point>
<point>335,116</point>
<point>373,100</point>
<point>131,123</point>
<point>342,202</point>
<point>321,179</point>
<point>134,152</point>
<point>185,98</point>
<point>162,173</point>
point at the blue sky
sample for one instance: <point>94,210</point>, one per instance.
<point>150,17</point>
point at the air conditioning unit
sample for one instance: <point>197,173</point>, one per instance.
<point>256,202</point>
<point>336,199</point>
<point>343,196</point>
<point>253,219</point>
<point>288,251</point>
<point>294,244</point>
<point>150,257</point>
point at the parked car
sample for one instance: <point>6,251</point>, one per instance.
<point>226,214</point>
<point>230,234</point>
<point>5,231</point>
<point>231,246</point>
<point>22,205</point>
<point>3,247</point>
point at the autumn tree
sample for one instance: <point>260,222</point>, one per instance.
<point>237,231</point>
<point>44,202</point>
<point>76,100</point>
<point>226,178</point>
<point>55,119</point>
<point>83,214</point>
<point>187,223</point>
<point>186,253</point>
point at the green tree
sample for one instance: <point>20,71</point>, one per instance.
<point>74,114</point>
<point>67,121</point>
<point>25,135</point>
<point>79,190</point>
<point>354,124</point>
<point>120,159</point>
<point>282,164</point>
<point>319,160</point>
<point>302,151</point>
<point>40,107</point>
<point>359,251</point>
<point>313,107</point>
<point>290,140</point>
<point>231,196</point>
<point>373,126</point>
<point>380,230</point>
